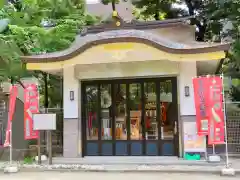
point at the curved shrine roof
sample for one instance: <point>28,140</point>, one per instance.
<point>173,36</point>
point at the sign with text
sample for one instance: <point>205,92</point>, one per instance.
<point>31,106</point>
<point>215,111</point>
<point>201,92</point>
<point>192,141</point>
<point>12,104</point>
<point>44,122</point>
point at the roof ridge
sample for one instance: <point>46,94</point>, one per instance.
<point>83,43</point>
<point>134,25</point>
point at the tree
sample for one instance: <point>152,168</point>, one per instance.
<point>36,27</point>
<point>39,26</point>
<point>210,18</point>
<point>168,9</point>
<point>224,20</point>
<point>11,67</point>
<point>159,9</point>
<point>113,3</point>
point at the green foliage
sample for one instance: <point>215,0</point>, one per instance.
<point>54,86</point>
<point>2,3</point>
<point>139,15</point>
<point>11,66</point>
<point>36,27</point>
<point>66,17</point>
<point>105,2</point>
<point>157,9</point>
<point>28,160</point>
<point>210,18</point>
<point>218,14</point>
<point>235,90</point>
<point>34,40</point>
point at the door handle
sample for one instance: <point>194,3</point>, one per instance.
<point>175,127</point>
<point>162,135</point>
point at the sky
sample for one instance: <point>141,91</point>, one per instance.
<point>176,5</point>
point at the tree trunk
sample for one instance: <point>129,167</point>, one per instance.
<point>113,6</point>
<point>156,16</point>
<point>201,26</point>
<point>190,7</point>
<point>46,104</point>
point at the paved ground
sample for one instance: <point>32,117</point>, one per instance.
<point>128,165</point>
<point>108,176</point>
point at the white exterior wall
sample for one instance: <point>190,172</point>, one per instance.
<point>71,125</point>
<point>70,83</point>
<point>187,70</point>
<point>127,70</point>
<point>184,70</point>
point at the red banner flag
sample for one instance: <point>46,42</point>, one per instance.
<point>215,111</point>
<point>201,92</point>
<point>31,106</point>
<point>11,110</point>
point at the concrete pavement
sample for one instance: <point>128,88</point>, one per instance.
<point>128,165</point>
<point>123,168</point>
<point>109,176</point>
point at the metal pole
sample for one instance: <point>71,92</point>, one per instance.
<point>39,148</point>
<point>214,152</point>
<point>45,137</point>
<point>49,147</point>
<point>10,145</point>
<point>225,123</point>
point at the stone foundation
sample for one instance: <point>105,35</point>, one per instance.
<point>71,138</point>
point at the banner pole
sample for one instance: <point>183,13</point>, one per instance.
<point>10,145</point>
<point>214,152</point>
<point>225,123</point>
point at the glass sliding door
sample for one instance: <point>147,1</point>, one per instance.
<point>169,116</point>
<point>121,120</point>
<point>135,108</point>
<point>151,120</point>
<point>130,117</point>
<point>106,116</point>
<point>90,119</point>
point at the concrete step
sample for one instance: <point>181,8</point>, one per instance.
<point>124,168</point>
<point>127,168</point>
<point>141,160</point>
